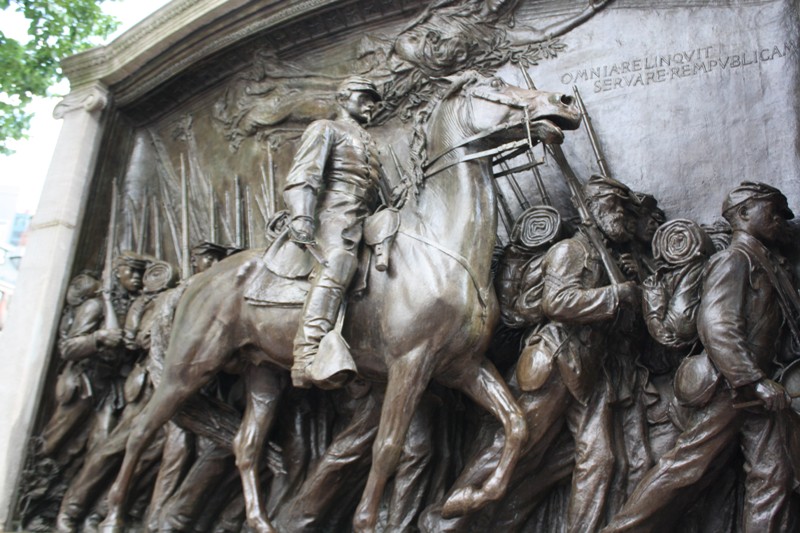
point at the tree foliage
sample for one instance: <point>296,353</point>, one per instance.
<point>56,29</point>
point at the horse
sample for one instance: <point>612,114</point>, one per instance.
<point>429,317</point>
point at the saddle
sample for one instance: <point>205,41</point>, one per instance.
<point>284,272</point>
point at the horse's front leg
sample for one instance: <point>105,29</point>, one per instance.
<point>487,389</point>
<point>263,391</point>
<point>408,378</point>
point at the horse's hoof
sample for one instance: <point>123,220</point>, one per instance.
<point>432,521</point>
<point>463,501</point>
<point>261,526</point>
<point>65,524</point>
<point>363,524</point>
<point>111,525</point>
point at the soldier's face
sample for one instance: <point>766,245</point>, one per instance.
<point>609,213</point>
<point>766,223</point>
<point>130,278</point>
<point>360,106</point>
<point>203,262</point>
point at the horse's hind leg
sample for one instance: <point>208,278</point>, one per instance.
<point>263,391</point>
<point>487,389</point>
<point>408,378</point>
<point>171,393</point>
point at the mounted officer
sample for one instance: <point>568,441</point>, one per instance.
<point>335,182</point>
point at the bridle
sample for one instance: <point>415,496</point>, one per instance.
<point>431,167</point>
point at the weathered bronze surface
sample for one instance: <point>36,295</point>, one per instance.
<point>412,298</point>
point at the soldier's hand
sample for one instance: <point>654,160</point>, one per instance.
<point>773,395</point>
<point>301,230</point>
<point>629,265</point>
<point>108,338</point>
<point>629,294</point>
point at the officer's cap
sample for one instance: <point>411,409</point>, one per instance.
<point>360,84</point>
<point>749,190</point>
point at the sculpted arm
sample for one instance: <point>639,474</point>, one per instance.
<point>527,35</point>
<point>722,323</point>
<point>307,174</point>
<point>81,341</point>
<point>565,299</point>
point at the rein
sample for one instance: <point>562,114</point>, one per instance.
<point>431,168</point>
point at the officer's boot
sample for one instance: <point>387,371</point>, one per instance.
<point>319,317</point>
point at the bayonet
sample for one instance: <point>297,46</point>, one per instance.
<point>587,123</point>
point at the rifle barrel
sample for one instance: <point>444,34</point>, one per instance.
<point>111,320</point>
<point>592,232</point>
<point>587,123</point>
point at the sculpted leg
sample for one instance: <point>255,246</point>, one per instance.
<point>768,485</point>
<point>652,504</point>
<point>591,427</point>
<point>408,378</point>
<point>488,390</point>
<point>345,461</point>
<point>173,391</point>
<point>544,411</point>
<point>263,391</point>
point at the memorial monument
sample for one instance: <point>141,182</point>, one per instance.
<point>416,265</point>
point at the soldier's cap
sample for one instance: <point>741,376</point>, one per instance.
<point>599,186</point>
<point>130,259</point>
<point>646,204</point>
<point>206,248</point>
<point>360,84</point>
<point>749,190</point>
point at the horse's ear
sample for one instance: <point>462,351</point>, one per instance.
<point>459,81</point>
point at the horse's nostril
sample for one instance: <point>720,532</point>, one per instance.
<point>566,99</point>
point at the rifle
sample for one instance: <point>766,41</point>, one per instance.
<point>186,265</point>
<point>579,201</point>
<point>589,225</point>
<point>111,320</point>
<point>587,122</point>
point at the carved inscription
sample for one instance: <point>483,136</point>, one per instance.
<point>661,68</point>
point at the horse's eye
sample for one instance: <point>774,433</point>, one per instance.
<point>497,83</point>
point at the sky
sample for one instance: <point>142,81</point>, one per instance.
<point>23,173</point>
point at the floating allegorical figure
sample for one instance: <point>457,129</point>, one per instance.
<point>747,300</point>
<point>450,35</point>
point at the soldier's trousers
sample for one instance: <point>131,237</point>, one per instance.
<point>659,498</point>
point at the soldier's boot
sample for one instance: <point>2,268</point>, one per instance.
<point>319,316</point>
<point>68,518</point>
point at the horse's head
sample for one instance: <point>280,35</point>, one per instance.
<point>501,111</point>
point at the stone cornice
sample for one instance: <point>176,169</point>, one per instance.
<point>175,37</point>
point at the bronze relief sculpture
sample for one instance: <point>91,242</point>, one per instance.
<point>357,344</point>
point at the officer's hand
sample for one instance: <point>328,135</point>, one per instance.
<point>108,338</point>
<point>629,294</point>
<point>301,230</point>
<point>773,395</point>
<point>399,195</point>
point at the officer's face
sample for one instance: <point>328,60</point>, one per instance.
<point>360,106</point>
<point>130,278</point>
